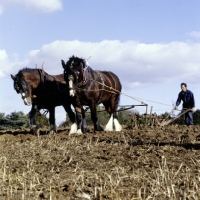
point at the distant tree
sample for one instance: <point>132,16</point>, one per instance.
<point>2,116</point>
<point>3,121</point>
<point>165,114</point>
<point>196,116</point>
<point>102,116</point>
<point>124,116</point>
<point>41,120</point>
<point>13,120</point>
<point>18,119</point>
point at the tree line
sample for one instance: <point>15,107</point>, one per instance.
<point>18,119</point>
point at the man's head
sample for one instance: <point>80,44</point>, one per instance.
<point>184,87</point>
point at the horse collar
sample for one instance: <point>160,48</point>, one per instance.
<point>41,86</point>
<point>42,77</point>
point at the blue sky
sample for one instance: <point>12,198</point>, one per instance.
<point>152,46</point>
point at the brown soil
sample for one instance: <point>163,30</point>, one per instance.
<point>143,163</point>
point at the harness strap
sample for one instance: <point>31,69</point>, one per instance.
<point>99,73</point>
<point>41,77</point>
<point>24,86</point>
<point>57,82</point>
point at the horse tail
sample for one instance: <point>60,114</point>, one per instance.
<point>118,89</point>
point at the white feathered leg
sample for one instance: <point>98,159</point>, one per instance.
<point>109,125</point>
<point>118,127</point>
<point>73,129</point>
<point>79,132</point>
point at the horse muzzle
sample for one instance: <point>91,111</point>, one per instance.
<point>71,92</point>
<point>27,99</point>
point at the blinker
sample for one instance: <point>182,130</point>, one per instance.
<point>24,87</point>
<point>16,86</point>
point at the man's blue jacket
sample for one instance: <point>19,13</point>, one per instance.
<point>187,98</point>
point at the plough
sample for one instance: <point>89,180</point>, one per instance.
<point>164,123</point>
<point>149,119</point>
<point>154,120</point>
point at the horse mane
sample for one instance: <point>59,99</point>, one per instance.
<point>30,69</point>
<point>26,69</point>
<point>76,60</point>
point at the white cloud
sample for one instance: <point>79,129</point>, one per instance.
<point>4,63</point>
<point>136,64</point>
<point>194,34</point>
<point>37,5</point>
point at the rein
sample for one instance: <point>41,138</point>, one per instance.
<point>117,91</point>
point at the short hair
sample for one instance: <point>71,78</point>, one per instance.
<point>184,84</point>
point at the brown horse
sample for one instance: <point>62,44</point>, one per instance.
<point>91,88</point>
<point>44,91</point>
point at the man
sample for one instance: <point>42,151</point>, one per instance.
<point>188,103</point>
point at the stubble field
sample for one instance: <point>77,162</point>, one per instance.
<point>144,163</point>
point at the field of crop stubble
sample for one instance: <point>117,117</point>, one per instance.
<point>144,163</point>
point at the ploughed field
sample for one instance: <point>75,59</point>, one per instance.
<point>144,163</point>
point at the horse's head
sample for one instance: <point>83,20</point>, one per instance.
<point>73,73</point>
<point>23,84</point>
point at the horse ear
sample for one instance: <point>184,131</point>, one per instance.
<point>63,63</point>
<point>13,77</point>
<point>35,66</point>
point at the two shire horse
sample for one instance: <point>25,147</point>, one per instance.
<point>44,91</point>
<point>91,88</point>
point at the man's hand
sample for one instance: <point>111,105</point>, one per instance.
<point>176,108</point>
<point>192,109</point>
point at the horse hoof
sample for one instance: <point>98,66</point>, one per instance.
<point>107,129</point>
<point>73,128</point>
<point>78,132</point>
<point>84,130</point>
